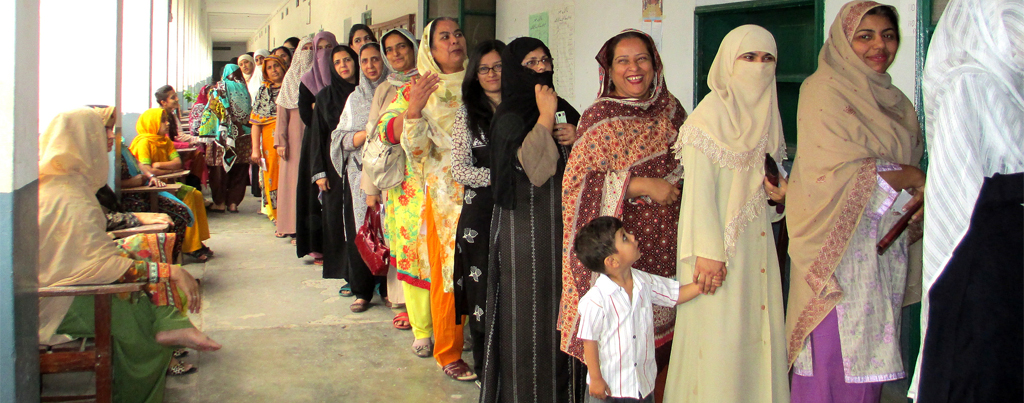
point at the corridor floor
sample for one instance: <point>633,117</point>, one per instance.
<point>289,337</point>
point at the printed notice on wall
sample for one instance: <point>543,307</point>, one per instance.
<point>562,45</point>
<point>539,27</point>
<point>651,23</point>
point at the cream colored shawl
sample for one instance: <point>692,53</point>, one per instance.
<point>737,123</point>
<point>849,116</point>
<point>73,246</point>
<point>446,100</point>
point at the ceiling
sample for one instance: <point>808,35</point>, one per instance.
<point>236,20</point>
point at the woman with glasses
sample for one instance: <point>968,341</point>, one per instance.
<point>471,161</point>
<point>529,150</point>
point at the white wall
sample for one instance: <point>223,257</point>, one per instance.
<point>598,20</point>
<point>327,15</point>
<point>237,49</point>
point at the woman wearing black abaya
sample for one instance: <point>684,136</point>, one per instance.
<point>528,155</point>
<point>309,238</point>
<point>325,207</point>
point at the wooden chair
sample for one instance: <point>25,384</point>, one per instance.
<point>80,356</point>
<point>154,197</point>
<point>175,176</point>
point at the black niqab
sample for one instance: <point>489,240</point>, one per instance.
<point>517,115</point>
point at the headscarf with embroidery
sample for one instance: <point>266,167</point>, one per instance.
<point>288,97</point>
<point>849,116</point>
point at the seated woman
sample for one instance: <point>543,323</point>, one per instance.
<point>74,249</point>
<point>157,156</point>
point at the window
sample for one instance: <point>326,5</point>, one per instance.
<point>477,17</point>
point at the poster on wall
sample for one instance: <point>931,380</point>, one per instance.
<point>539,27</point>
<point>562,31</point>
<point>651,24</point>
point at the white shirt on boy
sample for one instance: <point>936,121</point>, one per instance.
<point>624,330</point>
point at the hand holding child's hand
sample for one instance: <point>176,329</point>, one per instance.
<point>599,389</point>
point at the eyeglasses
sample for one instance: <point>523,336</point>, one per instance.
<point>532,63</point>
<point>484,70</point>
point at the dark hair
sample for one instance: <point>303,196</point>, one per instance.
<point>433,27</point>
<point>359,27</point>
<point>596,241</point>
<point>889,14</point>
<point>383,47</point>
<point>234,60</point>
<point>479,107</point>
<point>612,43</point>
<point>163,93</point>
<point>292,41</point>
<point>286,50</point>
<point>251,54</point>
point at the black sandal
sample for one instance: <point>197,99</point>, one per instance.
<point>180,353</point>
<point>200,256</point>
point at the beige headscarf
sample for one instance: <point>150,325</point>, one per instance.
<point>73,246</point>
<point>849,116</point>
<point>738,122</point>
<point>446,100</point>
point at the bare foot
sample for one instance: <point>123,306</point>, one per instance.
<point>189,337</point>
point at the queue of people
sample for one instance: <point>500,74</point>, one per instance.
<point>573,245</point>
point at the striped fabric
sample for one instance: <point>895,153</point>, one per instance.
<point>973,87</point>
<point>624,330</point>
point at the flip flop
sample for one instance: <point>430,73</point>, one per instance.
<point>346,291</point>
<point>180,369</point>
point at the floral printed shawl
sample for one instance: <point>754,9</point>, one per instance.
<point>621,138</point>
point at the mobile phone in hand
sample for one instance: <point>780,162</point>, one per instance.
<point>560,117</point>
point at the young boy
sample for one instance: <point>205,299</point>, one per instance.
<point>616,322</point>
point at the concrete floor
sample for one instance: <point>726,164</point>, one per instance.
<point>287,334</point>
<point>289,337</point>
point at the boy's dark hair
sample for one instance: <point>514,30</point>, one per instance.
<point>596,241</point>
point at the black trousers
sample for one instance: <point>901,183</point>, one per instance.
<point>974,345</point>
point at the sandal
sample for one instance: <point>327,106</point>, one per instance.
<point>459,371</point>
<point>359,307</point>
<point>181,369</point>
<point>346,291</point>
<point>200,255</point>
<point>424,351</point>
<point>387,302</point>
<point>319,261</point>
<point>401,317</point>
<point>180,353</point>
<point>280,235</point>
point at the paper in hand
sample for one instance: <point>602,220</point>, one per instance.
<point>901,200</point>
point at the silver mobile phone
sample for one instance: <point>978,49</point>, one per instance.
<point>560,117</point>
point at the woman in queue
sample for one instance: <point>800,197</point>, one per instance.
<point>471,163</point>
<point>863,146</point>
<point>224,128</point>
<point>725,224</point>
<point>264,121</point>
<point>330,187</point>
<point>359,35</point>
<point>400,48</point>
<point>309,232</point>
<point>622,166</point>
<point>421,120</point>
<point>529,149</point>
<point>346,156</point>
<point>156,155</point>
<point>74,249</point>
<point>288,133</point>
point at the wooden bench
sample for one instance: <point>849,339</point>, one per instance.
<point>154,197</point>
<point>80,356</point>
<point>142,229</point>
